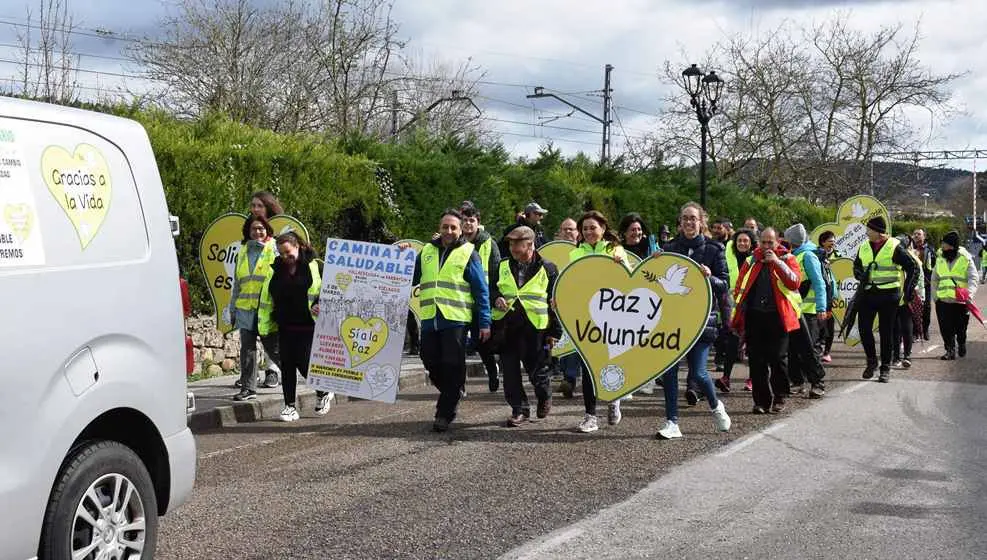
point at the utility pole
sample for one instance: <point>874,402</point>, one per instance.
<point>607,106</point>
<point>394,113</point>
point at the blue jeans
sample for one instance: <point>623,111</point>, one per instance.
<point>697,373</point>
<point>571,365</point>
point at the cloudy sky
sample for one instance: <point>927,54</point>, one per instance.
<point>564,45</point>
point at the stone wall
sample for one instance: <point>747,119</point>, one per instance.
<point>214,354</point>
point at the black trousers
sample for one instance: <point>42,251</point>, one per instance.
<point>903,333</point>
<point>730,344</point>
<point>444,356</point>
<point>411,328</point>
<point>489,361</point>
<point>884,307</point>
<point>767,350</point>
<point>296,349</point>
<point>953,320</point>
<point>827,332</point>
<point>927,307</point>
<point>804,363</point>
<point>525,346</point>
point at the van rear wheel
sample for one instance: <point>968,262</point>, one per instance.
<point>103,506</point>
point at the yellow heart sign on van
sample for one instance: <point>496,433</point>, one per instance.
<point>415,302</point>
<point>20,220</point>
<point>630,327</point>
<point>557,252</point>
<point>849,227</point>
<point>80,183</point>
<point>363,339</point>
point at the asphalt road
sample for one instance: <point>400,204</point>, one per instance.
<point>871,471</point>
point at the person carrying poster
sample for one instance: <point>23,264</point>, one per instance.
<point>694,243</point>
<point>453,291</point>
<point>529,328</point>
<point>768,309</point>
<point>878,265</point>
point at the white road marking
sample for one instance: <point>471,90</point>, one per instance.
<point>930,348</point>
<point>748,441</point>
<point>552,543</point>
<point>856,387</point>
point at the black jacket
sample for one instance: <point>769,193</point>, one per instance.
<point>516,312</point>
<point>289,294</point>
<point>708,252</point>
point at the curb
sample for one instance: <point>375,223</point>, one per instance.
<point>268,407</point>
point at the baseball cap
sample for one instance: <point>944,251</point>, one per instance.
<point>534,208</point>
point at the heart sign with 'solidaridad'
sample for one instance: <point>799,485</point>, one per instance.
<point>557,253</point>
<point>847,287</point>
<point>630,327</point>
<point>364,339</point>
<point>80,183</point>
<point>849,227</point>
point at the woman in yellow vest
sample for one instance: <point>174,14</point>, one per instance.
<point>738,250</point>
<point>955,268</point>
<point>253,266</point>
<point>597,239</point>
<point>289,305</point>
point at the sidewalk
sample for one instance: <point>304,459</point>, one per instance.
<point>215,407</point>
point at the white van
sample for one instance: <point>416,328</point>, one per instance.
<point>94,444</point>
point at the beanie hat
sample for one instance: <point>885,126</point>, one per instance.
<point>877,224</point>
<point>796,235</point>
<point>953,238</point>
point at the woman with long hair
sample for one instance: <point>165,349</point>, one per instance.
<point>597,239</point>
<point>265,205</point>
<point>636,236</point>
<point>694,242</point>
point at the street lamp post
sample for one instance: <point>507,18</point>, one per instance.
<point>704,92</point>
<point>926,197</point>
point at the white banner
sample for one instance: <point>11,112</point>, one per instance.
<point>362,312</point>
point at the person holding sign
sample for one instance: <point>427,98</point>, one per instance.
<point>694,243</point>
<point>955,270</point>
<point>598,239</point>
<point>253,267</point>
<point>768,309</point>
<point>289,305</point>
<point>530,328</point>
<point>453,291</point>
<point>489,253</point>
<point>878,266</point>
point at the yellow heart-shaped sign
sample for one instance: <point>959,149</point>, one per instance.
<point>20,220</point>
<point>218,249</point>
<point>283,224</point>
<point>630,327</point>
<point>849,227</point>
<point>415,302</point>
<point>364,339</point>
<point>80,183</point>
<point>343,280</point>
<point>847,287</point>
<point>557,252</point>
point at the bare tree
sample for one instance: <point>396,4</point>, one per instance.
<point>423,83</point>
<point>49,69</point>
<point>807,108</point>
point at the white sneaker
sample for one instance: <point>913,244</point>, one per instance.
<point>322,408</point>
<point>289,414</point>
<point>629,397</point>
<point>721,417</point>
<point>589,424</point>
<point>648,388</point>
<point>670,430</point>
<point>613,413</point>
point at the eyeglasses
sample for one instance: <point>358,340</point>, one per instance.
<point>690,218</point>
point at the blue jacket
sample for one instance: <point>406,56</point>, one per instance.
<point>478,287</point>
<point>813,270</point>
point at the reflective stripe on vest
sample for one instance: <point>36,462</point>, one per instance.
<point>733,266</point>
<point>884,274</point>
<point>809,301</point>
<point>793,297</point>
<point>484,251</point>
<point>951,276</point>
<point>533,295</point>
<point>445,288</point>
<point>251,282</point>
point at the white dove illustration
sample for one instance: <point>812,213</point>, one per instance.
<point>857,210</point>
<point>673,280</point>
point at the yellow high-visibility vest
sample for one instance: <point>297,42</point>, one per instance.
<point>446,289</point>
<point>951,276</point>
<point>533,295</point>
<point>251,281</point>
<point>809,301</point>
<point>884,274</point>
<point>484,251</point>
<point>602,247</point>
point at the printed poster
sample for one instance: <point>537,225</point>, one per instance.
<point>363,309</point>
<point>850,225</point>
<point>630,327</point>
<point>20,232</point>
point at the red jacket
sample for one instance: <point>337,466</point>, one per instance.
<point>787,271</point>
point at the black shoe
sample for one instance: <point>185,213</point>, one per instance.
<point>526,413</point>
<point>271,380</point>
<point>906,363</point>
<point>949,355</point>
<point>883,377</point>
<point>869,371</point>
<point>567,388</point>
<point>818,391</point>
<point>926,337</point>
<point>441,425</point>
<point>544,407</point>
<point>237,384</point>
<point>759,410</point>
<point>494,384</point>
<point>961,350</point>
<point>245,395</point>
<point>515,420</point>
<point>413,351</point>
<point>797,389</point>
<point>691,397</point>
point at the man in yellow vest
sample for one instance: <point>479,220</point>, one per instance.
<point>521,292</point>
<point>955,268</point>
<point>489,253</point>
<point>878,265</point>
<point>453,291</point>
<point>804,363</point>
